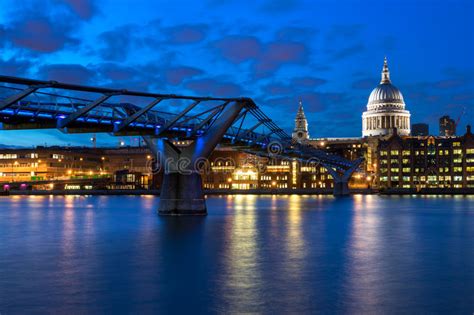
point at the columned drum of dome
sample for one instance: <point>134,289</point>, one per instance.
<point>385,109</point>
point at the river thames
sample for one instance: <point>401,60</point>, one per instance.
<point>272,254</point>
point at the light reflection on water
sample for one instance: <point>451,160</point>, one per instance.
<point>286,254</point>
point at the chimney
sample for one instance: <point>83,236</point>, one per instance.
<point>468,129</point>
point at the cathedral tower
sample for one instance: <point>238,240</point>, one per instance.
<point>300,133</point>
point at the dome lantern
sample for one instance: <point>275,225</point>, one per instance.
<point>385,73</point>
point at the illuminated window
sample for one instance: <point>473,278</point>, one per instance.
<point>8,156</point>
<point>394,152</point>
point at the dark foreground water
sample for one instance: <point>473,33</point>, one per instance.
<point>283,254</point>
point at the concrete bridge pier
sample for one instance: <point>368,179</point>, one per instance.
<point>341,180</point>
<point>182,195</point>
<point>181,188</point>
<point>341,188</point>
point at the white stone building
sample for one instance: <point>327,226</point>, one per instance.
<point>385,110</point>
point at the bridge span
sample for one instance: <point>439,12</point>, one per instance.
<point>203,122</point>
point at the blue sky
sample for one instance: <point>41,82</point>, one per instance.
<point>328,53</point>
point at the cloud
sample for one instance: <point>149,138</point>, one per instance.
<point>295,33</point>
<point>276,89</point>
<point>144,77</point>
<point>116,44</point>
<point>265,58</point>
<point>238,49</point>
<point>344,32</point>
<point>279,6</point>
<point>69,73</point>
<point>466,96</point>
<point>45,27</point>
<point>117,72</point>
<point>277,54</point>
<point>176,75</point>
<point>85,9</point>
<point>214,87</point>
<point>15,67</point>
<point>185,33</point>
<point>364,84</point>
<point>312,101</point>
<point>40,33</point>
<point>348,51</point>
<point>307,82</point>
<point>449,83</point>
<point>295,86</point>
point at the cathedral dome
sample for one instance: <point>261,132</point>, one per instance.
<point>385,93</point>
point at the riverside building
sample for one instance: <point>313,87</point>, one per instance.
<point>426,162</point>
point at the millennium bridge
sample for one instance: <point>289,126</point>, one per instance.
<point>202,122</point>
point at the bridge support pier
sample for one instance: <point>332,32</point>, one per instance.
<point>181,189</point>
<point>182,195</point>
<point>341,181</point>
<point>341,188</point>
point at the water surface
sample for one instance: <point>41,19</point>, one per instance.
<point>285,254</point>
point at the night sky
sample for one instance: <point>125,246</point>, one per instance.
<point>328,53</point>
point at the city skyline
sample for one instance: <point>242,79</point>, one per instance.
<point>331,64</point>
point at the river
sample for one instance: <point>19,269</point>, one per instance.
<point>264,254</point>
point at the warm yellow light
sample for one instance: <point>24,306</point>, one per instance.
<point>148,157</point>
<point>103,158</point>
<point>369,178</point>
<point>81,159</point>
<point>69,172</point>
<point>59,160</point>
<point>90,173</point>
<point>274,183</point>
<point>229,180</point>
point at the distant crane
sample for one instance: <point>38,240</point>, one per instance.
<point>459,117</point>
